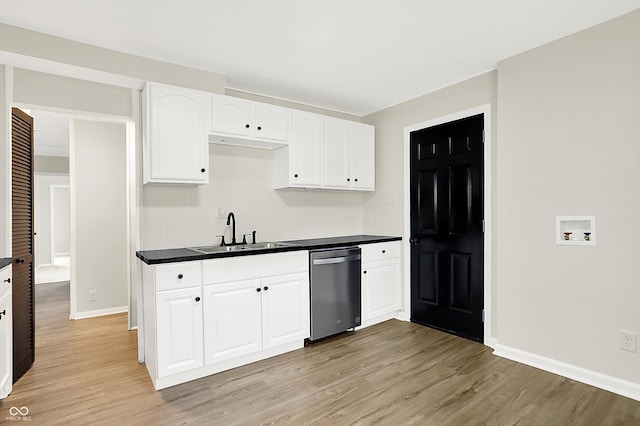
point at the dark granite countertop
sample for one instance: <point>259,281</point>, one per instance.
<point>5,261</point>
<point>152,257</point>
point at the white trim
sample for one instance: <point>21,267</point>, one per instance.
<point>100,312</point>
<point>73,246</point>
<point>485,109</point>
<point>132,208</point>
<point>8,99</point>
<point>590,377</point>
<point>74,113</point>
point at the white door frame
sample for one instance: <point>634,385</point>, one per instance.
<point>485,109</point>
<point>133,198</point>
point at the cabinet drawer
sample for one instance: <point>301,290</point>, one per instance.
<point>174,276</point>
<point>380,251</point>
<point>247,267</point>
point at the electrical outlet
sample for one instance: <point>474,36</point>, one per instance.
<point>93,295</point>
<point>628,340</point>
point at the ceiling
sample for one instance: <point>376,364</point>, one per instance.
<point>353,56</point>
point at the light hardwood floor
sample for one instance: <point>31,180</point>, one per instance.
<point>395,373</point>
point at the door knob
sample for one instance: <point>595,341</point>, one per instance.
<point>20,260</point>
<point>266,288</point>
<point>197,299</point>
<point>413,240</point>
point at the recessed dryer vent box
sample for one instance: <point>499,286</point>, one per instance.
<point>576,230</point>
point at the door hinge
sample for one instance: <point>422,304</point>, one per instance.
<point>482,225</point>
<point>483,315</point>
<point>483,136</point>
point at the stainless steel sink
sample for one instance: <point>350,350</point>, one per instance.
<point>248,247</point>
<point>269,245</point>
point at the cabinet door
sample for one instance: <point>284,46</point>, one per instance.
<point>6,342</point>
<point>362,157</point>
<point>232,320</point>
<point>179,330</point>
<point>337,153</point>
<point>306,149</point>
<point>380,288</point>
<point>179,148</point>
<point>232,116</point>
<point>272,122</point>
<point>285,309</point>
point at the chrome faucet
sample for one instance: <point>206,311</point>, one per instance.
<point>233,229</point>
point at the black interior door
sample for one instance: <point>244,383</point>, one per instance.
<point>447,226</point>
<point>22,241</point>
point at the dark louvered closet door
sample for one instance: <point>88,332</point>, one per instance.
<point>22,245</point>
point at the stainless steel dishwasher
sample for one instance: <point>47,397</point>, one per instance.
<point>335,290</point>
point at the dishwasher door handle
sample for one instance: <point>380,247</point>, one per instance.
<point>341,259</point>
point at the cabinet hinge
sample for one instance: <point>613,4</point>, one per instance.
<point>483,136</point>
<point>482,225</point>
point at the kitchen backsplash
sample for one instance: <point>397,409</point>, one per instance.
<point>241,182</point>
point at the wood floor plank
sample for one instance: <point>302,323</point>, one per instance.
<point>394,373</point>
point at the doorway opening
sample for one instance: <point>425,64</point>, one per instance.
<point>84,182</point>
<point>447,262</point>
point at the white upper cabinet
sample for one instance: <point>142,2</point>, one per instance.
<point>362,162</point>
<point>300,164</point>
<point>175,131</point>
<point>236,121</point>
<point>349,161</point>
<point>337,152</point>
<point>231,116</point>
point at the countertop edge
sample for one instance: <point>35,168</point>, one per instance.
<point>155,257</point>
<point>4,262</point>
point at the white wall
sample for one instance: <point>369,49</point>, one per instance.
<point>569,144</point>
<point>42,216</point>
<point>99,200</point>
<point>241,181</point>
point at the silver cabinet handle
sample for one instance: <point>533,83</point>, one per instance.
<point>331,260</point>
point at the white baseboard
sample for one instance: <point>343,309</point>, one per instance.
<point>492,342</point>
<point>403,316</point>
<point>593,378</point>
<point>100,312</point>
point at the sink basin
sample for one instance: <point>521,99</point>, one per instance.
<point>222,249</point>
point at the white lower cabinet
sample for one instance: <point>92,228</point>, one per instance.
<point>285,309</point>
<point>6,335</point>
<point>179,322</point>
<point>248,316</point>
<point>232,320</point>
<point>234,311</point>
<point>381,281</point>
